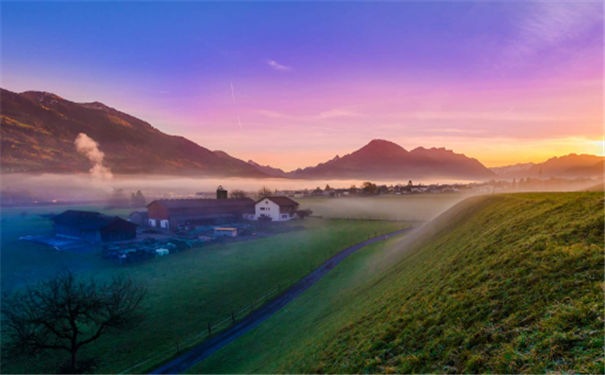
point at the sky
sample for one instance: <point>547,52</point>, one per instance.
<point>293,84</point>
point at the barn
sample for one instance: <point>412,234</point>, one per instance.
<point>139,218</point>
<point>93,226</point>
<point>277,208</point>
<point>176,214</point>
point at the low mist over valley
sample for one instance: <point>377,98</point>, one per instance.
<point>302,187</point>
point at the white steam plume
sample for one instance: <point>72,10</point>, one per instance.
<point>89,148</point>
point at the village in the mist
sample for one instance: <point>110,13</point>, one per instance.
<point>396,187</point>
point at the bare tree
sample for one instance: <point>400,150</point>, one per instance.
<point>264,192</point>
<point>66,313</point>
<point>238,194</point>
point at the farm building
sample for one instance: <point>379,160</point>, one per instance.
<point>139,218</point>
<point>93,226</point>
<point>276,208</point>
<point>178,214</point>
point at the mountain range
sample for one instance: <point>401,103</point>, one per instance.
<point>38,130</point>
<point>381,159</point>
<point>568,166</point>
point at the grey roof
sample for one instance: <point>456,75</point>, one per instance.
<point>183,217</point>
<point>203,203</point>
<point>143,214</point>
<point>98,222</point>
<point>86,219</point>
<point>73,217</point>
<point>281,201</point>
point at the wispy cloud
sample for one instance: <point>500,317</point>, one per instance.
<point>547,25</point>
<point>277,66</point>
<point>509,115</point>
<point>271,114</point>
<point>337,113</point>
<point>323,115</point>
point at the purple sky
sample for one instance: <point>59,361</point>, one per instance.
<point>293,84</point>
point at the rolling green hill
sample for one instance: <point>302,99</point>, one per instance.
<point>497,284</point>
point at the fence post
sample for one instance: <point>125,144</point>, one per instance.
<point>178,349</point>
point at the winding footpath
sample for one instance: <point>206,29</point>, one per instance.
<point>220,340</point>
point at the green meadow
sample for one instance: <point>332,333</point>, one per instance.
<point>406,207</point>
<point>508,283</point>
<point>187,290</point>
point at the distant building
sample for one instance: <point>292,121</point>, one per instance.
<point>93,226</point>
<point>139,218</point>
<point>178,214</point>
<point>276,208</point>
<point>221,193</point>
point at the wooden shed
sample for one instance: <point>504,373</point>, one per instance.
<point>93,226</point>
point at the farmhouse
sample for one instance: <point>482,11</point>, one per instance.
<point>276,208</point>
<point>93,226</point>
<point>139,218</point>
<point>178,214</point>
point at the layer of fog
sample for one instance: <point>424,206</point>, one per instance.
<point>89,187</point>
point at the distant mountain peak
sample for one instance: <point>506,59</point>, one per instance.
<point>268,170</point>
<point>382,159</point>
<point>572,165</point>
<point>374,143</point>
<point>378,148</point>
<point>438,149</point>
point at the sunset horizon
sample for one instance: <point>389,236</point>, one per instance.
<point>522,83</point>
<point>302,187</point>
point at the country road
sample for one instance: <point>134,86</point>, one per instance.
<point>212,345</point>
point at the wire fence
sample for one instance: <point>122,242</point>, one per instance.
<point>178,346</point>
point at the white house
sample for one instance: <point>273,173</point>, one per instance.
<point>277,208</point>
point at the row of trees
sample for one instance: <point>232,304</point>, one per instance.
<point>240,194</point>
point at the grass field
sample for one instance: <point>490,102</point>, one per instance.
<point>26,261</point>
<point>498,284</point>
<point>186,290</point>
<point>383,207</point>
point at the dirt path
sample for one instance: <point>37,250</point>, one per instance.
<point>212,345</point>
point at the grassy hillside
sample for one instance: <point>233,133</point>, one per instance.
<point>498,284</point>
<point>186,290</point>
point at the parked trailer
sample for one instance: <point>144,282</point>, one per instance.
<point>225,232</point>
